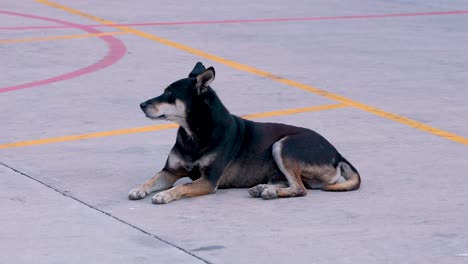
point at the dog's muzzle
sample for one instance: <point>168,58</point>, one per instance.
<point>149,111</point>
<point>144,105</point>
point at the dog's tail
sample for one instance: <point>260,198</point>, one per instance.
<point>351,176</point>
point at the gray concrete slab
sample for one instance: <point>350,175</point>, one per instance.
<point>40,225</point>
<point>412,204</point>
<point>404,206</point>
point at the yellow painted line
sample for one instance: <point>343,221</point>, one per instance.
<point>246,68</point>
<point>77,36</point>
<point>294,111</point>
<point>87,136</point>
<point>157,127</point>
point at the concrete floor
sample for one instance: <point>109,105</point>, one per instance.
<point>66,202</point>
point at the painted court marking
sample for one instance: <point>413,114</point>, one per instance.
<point>116,50</point>
<point>236,65</point>
<point>255,20</point>
<point>294,111</point>
<point>159,127</point>
<point>63,37</point>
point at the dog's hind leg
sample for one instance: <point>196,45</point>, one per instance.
<point>256,191</point>
<point>161,181</point>
<point>291,169</point>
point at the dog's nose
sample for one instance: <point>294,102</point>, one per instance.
<point>143,105</point>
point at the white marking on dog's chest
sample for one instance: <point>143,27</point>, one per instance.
<point>177,162</point>
<point>206,160</point>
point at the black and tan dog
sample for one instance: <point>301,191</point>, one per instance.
<point>219,150</point>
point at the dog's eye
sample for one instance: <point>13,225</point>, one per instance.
<point>170,96</point>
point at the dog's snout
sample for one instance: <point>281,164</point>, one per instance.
<point>143,105</point>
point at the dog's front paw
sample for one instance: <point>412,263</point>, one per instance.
<point>268,194</point>
<point>137,193</point>
<point>256,191</point>
<point>162,198</point>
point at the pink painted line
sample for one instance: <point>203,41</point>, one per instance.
<point>261,20</point>
<point>116,50</point>
<point>34,27</point>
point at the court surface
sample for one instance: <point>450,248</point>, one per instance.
<point>385,81</point>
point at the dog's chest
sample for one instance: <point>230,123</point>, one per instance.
<point>177,162</point>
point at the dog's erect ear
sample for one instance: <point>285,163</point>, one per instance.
<point>199,68</point>
<point>205,79</point>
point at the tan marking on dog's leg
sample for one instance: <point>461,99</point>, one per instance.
<point>256,191</point>
<point>196,188</point>
<point>292,172</point>
<point>161,181</point>
<point>348,180</point>
<point>316,177</point>
<point>296,186</point>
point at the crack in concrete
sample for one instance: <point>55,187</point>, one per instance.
<point>105,213</point>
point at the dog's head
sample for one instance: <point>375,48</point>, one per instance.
<point>181,97</point>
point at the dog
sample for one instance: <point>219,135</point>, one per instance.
<point>219,150</point>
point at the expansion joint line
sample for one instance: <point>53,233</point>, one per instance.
<point>103,212</point>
